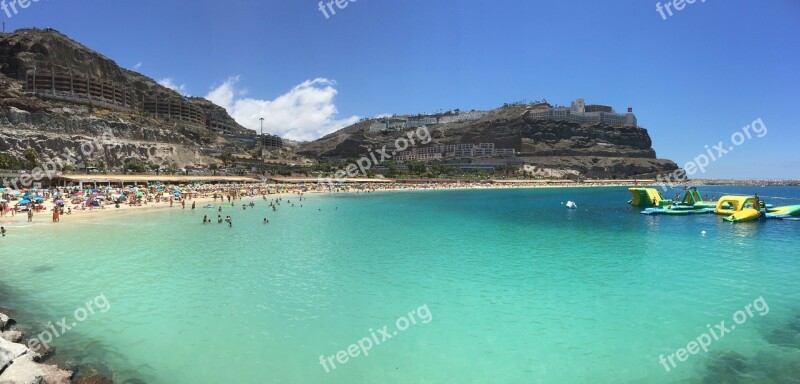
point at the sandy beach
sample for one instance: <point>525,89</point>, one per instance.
<point>270,192</point>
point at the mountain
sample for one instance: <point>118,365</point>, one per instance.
<point>56,93</point>
<point>594,150</point>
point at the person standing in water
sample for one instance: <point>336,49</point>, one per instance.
<point>3,231</point>
<point>757,203</point>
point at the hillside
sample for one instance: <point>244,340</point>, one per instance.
<point>591,149</point>
<point>56,93</point>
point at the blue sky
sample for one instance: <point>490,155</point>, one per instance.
<point>693,79</point>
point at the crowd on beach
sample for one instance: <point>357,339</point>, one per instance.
<point>59,202</point>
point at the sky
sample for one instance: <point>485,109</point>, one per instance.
<point>694,78</point>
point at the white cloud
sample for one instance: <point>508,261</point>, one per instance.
<point>137,66</point>
<point>306,112</point>
<point>170,83</point>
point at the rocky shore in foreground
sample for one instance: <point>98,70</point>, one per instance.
<point>20,364</point>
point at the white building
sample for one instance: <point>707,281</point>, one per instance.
<point>397,125</point>
<point>377,127</point>
<point>437,152</point>
<point>577,113</point>
<point>416,122</point>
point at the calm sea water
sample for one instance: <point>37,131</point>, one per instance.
<point>518,288</point>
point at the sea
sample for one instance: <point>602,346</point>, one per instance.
<point>449,286</point>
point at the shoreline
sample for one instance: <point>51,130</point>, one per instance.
<point>19,220</point>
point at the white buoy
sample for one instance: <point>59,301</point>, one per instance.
<point>703,233</point>
<point>572,205</point>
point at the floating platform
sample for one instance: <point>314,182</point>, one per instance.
<point>678,210</point>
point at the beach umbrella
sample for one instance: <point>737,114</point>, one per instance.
<point>139,194</point>
<point>24,202</point>
<point>122,197</point>
<point>37,197</point>
<point>2,189</point>
<point>3,201</point>
<point>13,193</point>
<point>60,201</point>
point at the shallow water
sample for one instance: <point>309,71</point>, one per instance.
<point>519,290</point>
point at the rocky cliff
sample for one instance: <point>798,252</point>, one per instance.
<point>594,150</point>
<point>56,93</point>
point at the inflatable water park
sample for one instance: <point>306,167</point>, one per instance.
<point>735,209</point>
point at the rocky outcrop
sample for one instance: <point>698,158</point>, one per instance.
<point>27,51</point>
<point>594,150</point>
<point>20,365</point>
<point>50,122</point>
<point>56,131</point>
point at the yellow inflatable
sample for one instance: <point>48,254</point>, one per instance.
<point>747,214</point>
<point>728,205</point>
<point>645,197</point>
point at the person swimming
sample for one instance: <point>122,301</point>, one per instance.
<point>265,220</point>
<point>219,219</point>
<point>205,219</point>
<point>3,231</point>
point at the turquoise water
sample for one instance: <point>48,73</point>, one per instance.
<point>518,289</point>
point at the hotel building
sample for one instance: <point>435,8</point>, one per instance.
<point>581,113</point>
